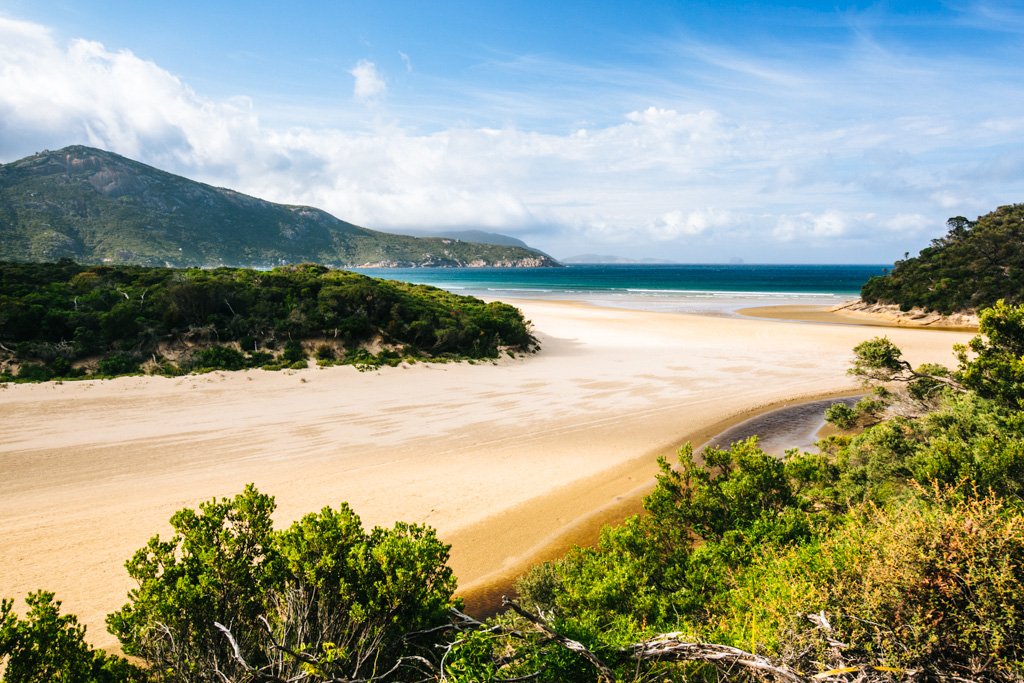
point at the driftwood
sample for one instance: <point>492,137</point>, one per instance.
<point>670,647</point>
<point>665,647</point>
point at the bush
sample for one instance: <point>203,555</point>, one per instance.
<point>930,584</point>
<point>293,351</point>
<point>118,364</point>
<point>48,647</point>
<point>841,415</point>
<point>325,352</point>
<point>217,358</point>
<point>34,372</point>
<point>347,600</point>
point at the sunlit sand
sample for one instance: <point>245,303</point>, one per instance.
<point>503,459</point>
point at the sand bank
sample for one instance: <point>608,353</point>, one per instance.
<point>501,458</point>
<point>857,312</point>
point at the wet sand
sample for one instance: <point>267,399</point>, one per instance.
<point>849,315</point>
<point>506,460</point>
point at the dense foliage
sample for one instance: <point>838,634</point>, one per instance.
<point>975,264</point>
<point>900,547</point>
<point>63,320</point>
<point>49,647</point>
<point>98,207</point>
<point>228,598</point>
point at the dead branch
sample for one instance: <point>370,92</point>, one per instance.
<point>669,647</point>
<point>605,674</point>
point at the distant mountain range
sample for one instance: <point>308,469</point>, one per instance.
<point>94,206</point>
<point>480,237</point>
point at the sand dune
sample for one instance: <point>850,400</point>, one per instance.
<point>501,458</point>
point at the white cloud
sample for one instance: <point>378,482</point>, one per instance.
<point>909,223</point>
<point>810,226</point>
<point>669,177</point>
<point>86,94</point>
<point>406,60</point>
<point>676,224</point>
<point>369,85</point>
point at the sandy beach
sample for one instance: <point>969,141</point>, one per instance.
<point>504,459</point>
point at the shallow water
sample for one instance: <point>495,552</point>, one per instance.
<point>784,428</point>
<point>778,430</point>
<point>677,288</point>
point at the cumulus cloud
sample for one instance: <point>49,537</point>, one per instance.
<point>369,85</point>
<point>669,177</point>
<point>676,224</point>
<point>810,226</point>
<point>84,93</point>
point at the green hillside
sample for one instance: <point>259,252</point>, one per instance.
<point>97,207</point>
<point>976,264</point>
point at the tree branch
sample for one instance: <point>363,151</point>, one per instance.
<point>604,673</point>
<point>669,647</point>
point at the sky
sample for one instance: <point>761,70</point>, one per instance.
<point>700,132</point>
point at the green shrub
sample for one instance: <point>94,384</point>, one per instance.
<point>355,604</point>
<point>841,415</point>
<point>34,372</point>
<point>118,364</point>
<point>293,351</point>
<point>48,647</point>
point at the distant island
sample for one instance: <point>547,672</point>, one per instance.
<point>98,207</point>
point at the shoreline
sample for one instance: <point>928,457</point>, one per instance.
<point>504,459</point>
<point>856,312</point>
<point>483,596</point>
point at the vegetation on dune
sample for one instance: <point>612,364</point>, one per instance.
<point>974,265</point>
<point>893,554</point>
<point>64,320</point>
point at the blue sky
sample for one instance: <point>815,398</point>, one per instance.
<point>690,131</point>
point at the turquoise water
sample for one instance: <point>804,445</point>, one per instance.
<point>684,288</point>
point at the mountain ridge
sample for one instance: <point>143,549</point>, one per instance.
<point>95,206</point>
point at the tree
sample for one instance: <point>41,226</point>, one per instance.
<point>997,369</point>
<point>220,566</point>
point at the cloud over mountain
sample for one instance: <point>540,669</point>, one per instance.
<point>738,149</point>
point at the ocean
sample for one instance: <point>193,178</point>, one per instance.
<point>681,288</point>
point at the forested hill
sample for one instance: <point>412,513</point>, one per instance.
<point>974,265</point>
<point>64,320</point>
<point>97,207</point>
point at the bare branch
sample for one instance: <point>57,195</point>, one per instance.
<point>604,672</point>
<point>669,647</point>
<point>234,645</point>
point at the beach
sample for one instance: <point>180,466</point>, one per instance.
<point>508,460</point>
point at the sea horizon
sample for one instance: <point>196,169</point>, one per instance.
<point>670,287</point>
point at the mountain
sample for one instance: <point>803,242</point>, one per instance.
<point>974,265</point>
<point>94,206</point>
<point>480,237</point>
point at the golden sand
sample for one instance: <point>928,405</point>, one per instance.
<point>504,459</point>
